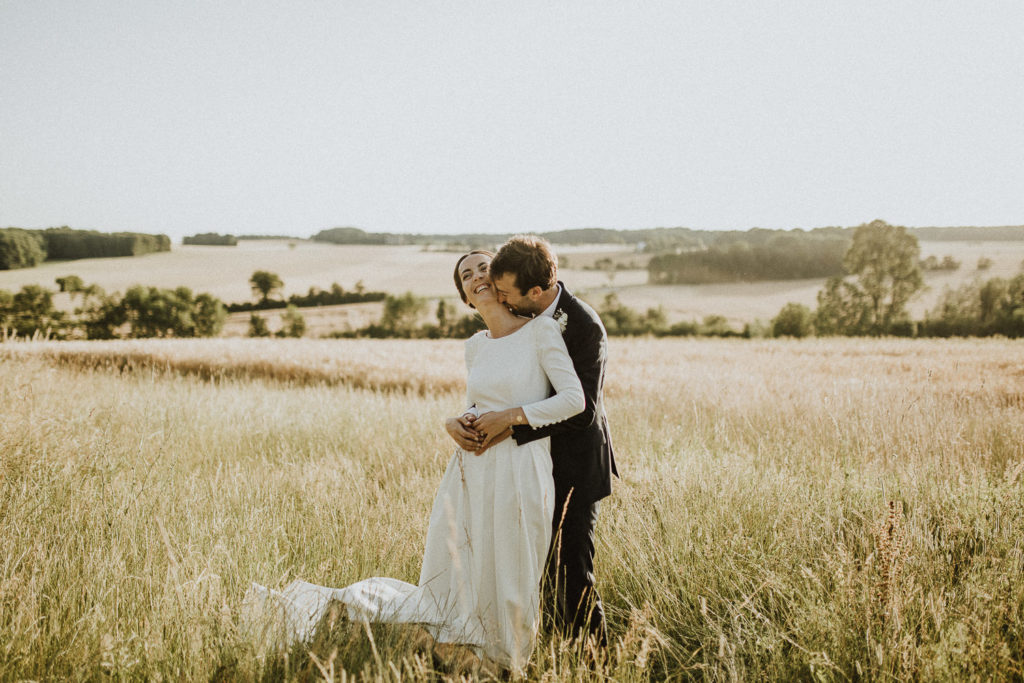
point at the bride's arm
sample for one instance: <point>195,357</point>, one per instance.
<point>462,428</point>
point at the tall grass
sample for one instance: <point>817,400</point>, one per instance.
<point>834,509</point>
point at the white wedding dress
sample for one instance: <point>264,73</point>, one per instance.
<point>490,526</point>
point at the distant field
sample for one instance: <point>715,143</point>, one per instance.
<point>224,272</point>
<point>744,302</point>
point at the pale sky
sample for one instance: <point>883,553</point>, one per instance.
<point>423,116</point>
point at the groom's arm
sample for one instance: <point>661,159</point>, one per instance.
<point>588,356</point>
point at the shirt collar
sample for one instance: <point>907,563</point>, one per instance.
<point>550,310</point>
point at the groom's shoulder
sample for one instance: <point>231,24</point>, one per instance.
<point>584,311</point>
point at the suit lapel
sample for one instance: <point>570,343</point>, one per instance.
<point>565,302</point>
<point>564,299</point>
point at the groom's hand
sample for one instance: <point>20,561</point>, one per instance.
<point>461,430</point>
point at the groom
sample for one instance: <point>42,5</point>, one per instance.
<point>525,277</point>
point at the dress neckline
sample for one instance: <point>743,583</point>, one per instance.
<point>487,333</point>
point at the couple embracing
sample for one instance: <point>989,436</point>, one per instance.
<point>517,506</point>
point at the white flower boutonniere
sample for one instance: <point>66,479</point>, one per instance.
<point>562,318</point>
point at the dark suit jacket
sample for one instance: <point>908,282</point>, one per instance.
<point>581,447</point>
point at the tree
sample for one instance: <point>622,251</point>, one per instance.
<point>618,318</point>
<point>100,314</point>
<point>6,312</point>
<point>20,249</point>
<point>154,312</point>
<point>401,314</point>
<point>885,260</point>
<point>211,238</point>
<point>31,310</point>
<point>265,283</point>
<point>293,324</point>
<point>445,315</point>
<point>258,326</point>
<point>794,320</point>
<point>976,308</point>
<point>209,315</point>
<point>843,308</point>
<point>72,284</point>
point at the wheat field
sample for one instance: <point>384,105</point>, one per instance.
<point>819,509</point>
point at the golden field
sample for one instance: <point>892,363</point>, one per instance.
<point>819,509</point>
<point>225,271</point>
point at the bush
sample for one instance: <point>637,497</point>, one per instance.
<point>293,324</point>
<point>717,326</point>
<point>794,320</point>
<point>683,329</point>
<point>620,320</point>
<point>933,263</point>
<point>20,249</point>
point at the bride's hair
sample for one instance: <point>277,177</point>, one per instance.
<point>458,280</point>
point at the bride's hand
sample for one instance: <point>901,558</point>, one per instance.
<point>461,429</point>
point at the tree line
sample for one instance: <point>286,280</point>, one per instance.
<point>266,284</point>
<point>882,273</point>
<point>211,239</point>
<point>145,311</point>
<point>21,248</point>
<point>755,256</point>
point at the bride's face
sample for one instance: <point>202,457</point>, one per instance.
<point>475,279</point>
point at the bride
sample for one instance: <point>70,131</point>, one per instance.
<point>490,526</point>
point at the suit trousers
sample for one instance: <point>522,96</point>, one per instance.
<point>572,604</point>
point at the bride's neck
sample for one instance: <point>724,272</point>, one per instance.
<point>499,320</point>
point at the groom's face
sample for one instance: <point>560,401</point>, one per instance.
<point>508,293</point>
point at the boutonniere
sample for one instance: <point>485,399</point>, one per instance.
<point>562,318</point>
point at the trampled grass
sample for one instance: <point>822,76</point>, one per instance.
<point>835,509</point>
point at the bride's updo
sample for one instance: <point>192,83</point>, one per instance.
<point>458,280</point>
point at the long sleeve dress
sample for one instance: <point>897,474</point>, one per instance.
<point>490,526</point>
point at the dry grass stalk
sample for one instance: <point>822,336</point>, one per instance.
<point>890,537</point>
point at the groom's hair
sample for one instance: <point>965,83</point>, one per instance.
<point>530,259</point>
